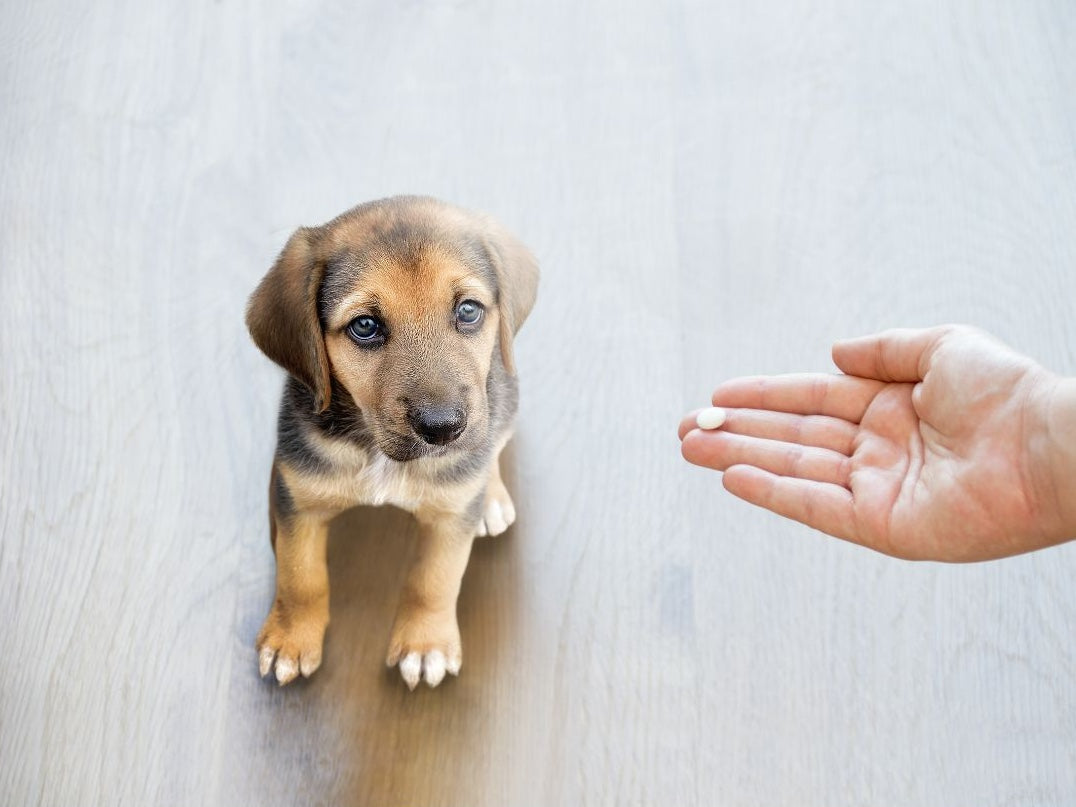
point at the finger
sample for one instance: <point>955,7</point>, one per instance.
<point>899,354</point>
<point>819,431</point>
<point>721,450</point>
<point>819,505</point>
<point>808,430</point>
<point>838,396</point>
<point>687,423</point>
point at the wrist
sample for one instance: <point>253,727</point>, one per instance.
<point>1058,449</point>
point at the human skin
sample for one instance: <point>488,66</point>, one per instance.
<point>937,444</point>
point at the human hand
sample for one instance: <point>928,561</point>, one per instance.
<point>939,444</point>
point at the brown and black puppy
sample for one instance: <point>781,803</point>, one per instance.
<point>395,322</point>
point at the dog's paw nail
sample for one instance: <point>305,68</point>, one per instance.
<point>309,663</point>
<point>495,521</point>
<point>453,664</point>
<point>499,513</point>
<point>435,667</point>
<point>508,509</point>
<point>286,670</point>
<point>265,660</point>
<point>411,669</point>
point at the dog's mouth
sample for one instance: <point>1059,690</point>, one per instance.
<point>407,447</point>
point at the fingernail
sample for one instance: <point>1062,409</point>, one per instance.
<point>711,418</point>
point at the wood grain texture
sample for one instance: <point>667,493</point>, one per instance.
<point>713,189</point>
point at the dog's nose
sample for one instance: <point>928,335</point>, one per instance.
<point>437,425</point>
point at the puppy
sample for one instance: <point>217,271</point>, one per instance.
<point>395,323</point>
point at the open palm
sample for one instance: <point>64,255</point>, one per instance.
<point>924,449</point>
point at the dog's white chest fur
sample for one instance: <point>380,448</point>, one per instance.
<point>384,481</point>
<point>372,478</point>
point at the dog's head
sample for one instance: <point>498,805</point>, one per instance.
<point>407,302</point>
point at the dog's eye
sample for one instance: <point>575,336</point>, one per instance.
<point>469,312</point>
<point>367,331</point>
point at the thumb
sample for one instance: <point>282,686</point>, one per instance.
<point>901,354</point>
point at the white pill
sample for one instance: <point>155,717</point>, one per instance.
<point>711,418</point>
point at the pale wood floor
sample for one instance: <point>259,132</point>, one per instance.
<point>713,189</point>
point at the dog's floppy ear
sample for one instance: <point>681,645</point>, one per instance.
<point>517,282</point>
<point>282,315</point>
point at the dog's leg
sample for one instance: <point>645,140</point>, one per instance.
<point>426,637</point>
<point>295,628</point>
<point>499,512</point>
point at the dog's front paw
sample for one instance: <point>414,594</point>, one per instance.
<point>426,645</point>
<point>500,512</point>
<point>290,641</point>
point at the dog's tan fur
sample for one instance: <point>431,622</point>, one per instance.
<point>346,433</point>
